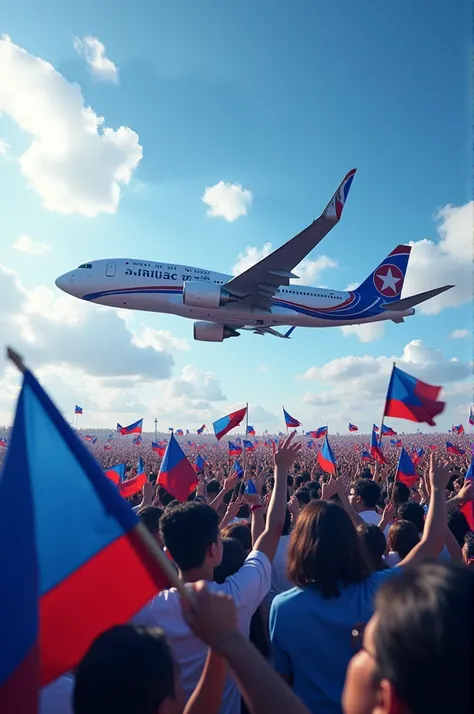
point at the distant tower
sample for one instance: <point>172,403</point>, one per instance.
<point>156,427</point>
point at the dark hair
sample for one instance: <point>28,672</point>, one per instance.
<point>287,523</point>
<point>213,487</point>
<point>425,624</point>
<point>373,544</point>
<point>412,511</point>
<point>240,531</point>
<point>303,496</point>
<point>150,517</point>
<point>314,490</point>
<point>324,550</point>
<point>469,543</point>
<point>100,684</point>
<point>188,531</point>
<point>165,497</point>
<point>289,480</point>
<point>233,557</point>
<point>400,492</point>
<point>402,537</point>
<point>458,525</point>
<point>369,492</point>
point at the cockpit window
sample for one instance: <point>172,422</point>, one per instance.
<point>88,266</point>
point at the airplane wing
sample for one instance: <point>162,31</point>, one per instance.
<point>269,331</point>
<point>257,285</point>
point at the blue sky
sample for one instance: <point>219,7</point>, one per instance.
<point>284,99</point>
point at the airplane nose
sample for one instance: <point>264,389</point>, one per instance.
<point>65,282</point>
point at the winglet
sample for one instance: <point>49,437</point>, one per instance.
<point>333,210</point>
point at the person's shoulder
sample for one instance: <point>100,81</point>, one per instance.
<point>374,581</point>
<point>287,599</point>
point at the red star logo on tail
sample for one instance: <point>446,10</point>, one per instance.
<point>388,280</point>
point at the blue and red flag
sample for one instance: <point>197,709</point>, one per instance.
<point>179,432</point>
<point>291,422</point>
<point>177,475</point>
<point>250,431</point>
<point>200,463</point>
<point>134,485</point>
<point>375,450</point>
<point>388,431</point>
<point>311,444</point>
<point>135,428</point>
<point>138,440</point>
<point>318,433</point>
<point>417,455</point>
<point>116,473</point>
<point>223,425</point>
<point>353,427</point>
<point>237,469</point>
<point>50,576</point>
<point>158,448</point>
<point>396,442</point>
<point>250,487</point>
<point>375,427</point>
<point>458,429</point>
<point>77,409</point>
<point>201,429</point>
<point>234,449</point>
<point>249,445</point>
<point>468,508</point>
<point>471,415</point>
<point>365,456</point>
<point>410,398</point>
<point>3,442</point>
<point>88,437</point>
<point>453,449</point>
<point>108,446</point>
<point>326,458</point>
<point>406,472</point>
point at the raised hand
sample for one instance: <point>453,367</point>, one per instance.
<point>286,453</point>
<point>440,472</point>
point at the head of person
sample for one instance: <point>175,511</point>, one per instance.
<point>324,551</point>
<point>373,546</point>
<point>213,488</point>
<point>400,492</point>
<point>303,497</point>
<point>414,512</point>
<point>468,550</point>
<point>128,670</point>
<point>364,495</point>
<point>233,557</point>
<point>402,538</point>
<point>240,531</point>
<point>190,532</point>
<point>314,490</point>
<point>458,525</point>
<point>416,653</point>
<point>150,517</point>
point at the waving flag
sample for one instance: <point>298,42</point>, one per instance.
<point>108,446</point>
<point>234,449</point>
<point>249,446</point>
<point>471,415</point>
<point>318,433</point>
<point>250,487</point>
<point>225,424</point>
<point>88,437</point>
<point>116,473</point>
<point>158,448</point>
<point>353,427</point>
<point>453,449</point>
<point>200,463</point>
<point>50,576</point>
<point>77,409</point>
<point>138,441</point>
<point>365,456</point>
<point>3,443</point>
<point>459,429</point>
<point>406,472</point>
<point>388,431</point>
<point>250,431</point>
<point>375,427</point>
<point>179,432</point>
<point>177,475</point>
<point>135,428</point>
<point>396,442</point>
<point>375,450</point>
<point>134,485</point>
<point>417,455</point>
<point>290,421</point>
<point>237,469</point>
<point>410,398</point>
<point>326,458</point>
<point>311,444</point>
<point>201,429</point>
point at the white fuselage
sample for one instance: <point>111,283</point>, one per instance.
<point>158,287</point>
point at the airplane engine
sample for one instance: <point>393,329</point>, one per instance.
<point>212,332</point>
<point>198,293</point>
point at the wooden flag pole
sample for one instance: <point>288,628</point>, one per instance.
<point>287,432</point>
<point>244,451</point>
<point>383,412</point>
<point>140,530</point>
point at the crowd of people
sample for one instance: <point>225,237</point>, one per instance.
<point>310,593</point>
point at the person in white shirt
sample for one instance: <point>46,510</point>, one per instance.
<point>280,582</point>
<point>190,533</point>
<point>364,497</point>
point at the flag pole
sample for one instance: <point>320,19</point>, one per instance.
<point>140,530</point>
<point>287,432</point>
<point>244,458</point>
<point>383,412</point>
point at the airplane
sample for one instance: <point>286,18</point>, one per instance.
<point>261,298</point>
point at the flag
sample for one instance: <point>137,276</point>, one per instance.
<point>388,431</point>
<point>116,473</point>
<point>290,421</point>
<point>77,410</point>
<point>318,433</point>
<point>134,485</point>
<point>365,455</point>
<point>200,463</point>
<point>406,472</point>
<point>326,458</point>
<point>137,440</point>
<point>353,427</point>
<point>250,431</point>
<point>108,446</point>
<point>201,429</point>
<point>310,444</point>
<point>88,437</point>
<point>453,449</point>
<point>50,576</point>
<point>237,469</point>
<point>179,432</point>
<point>417,455</point>
<point>250,487</point>
<point>225,424</point>
<point>459,429</point>
<point>375,450</point>
<point>158,448</point>
<point>468,508</point>
<point>3,443</point>
<point>94,440</point>
<point>375,427</point>
<point>410,398</point>
<point>471,415</point>
<point>135,428</point>
<point>234,449</point>
<point>140,465</point>
<point>248,445</point>
<point>396,442</point>
<point>177,475</point>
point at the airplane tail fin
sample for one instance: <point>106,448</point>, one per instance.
<point>386,281</point>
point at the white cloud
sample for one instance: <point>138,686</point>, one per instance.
<point>93,52</point>
<point>4,147</point>
<point>308,270</point>
<point>159,340</point>
<point>25,244</point>
<point>445,262</point>
<point>197,385</point>
<point>249,257</point>
<point>459,334</point>
<point>74,162</point>
<point>368,332</point>
<point>227,200</point>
